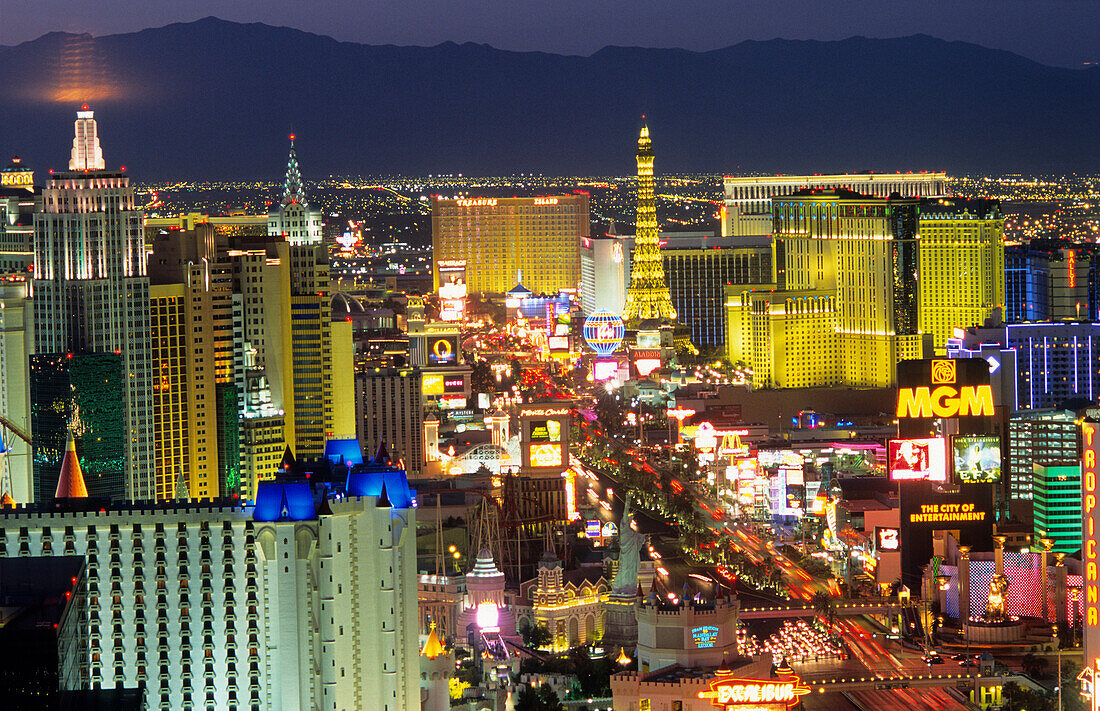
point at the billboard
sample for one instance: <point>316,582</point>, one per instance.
<point>546,431</point>
<point>918,458</point>
<point>645,361</point>
<point>558,343</point>
<point>977,458</point>
<point>948,388</point>
<point>604,370</point>
<point>442,350</point>
<point>431,384</point>
<point>887,539</point>
<point>452,289</point>
<point>546,455</point>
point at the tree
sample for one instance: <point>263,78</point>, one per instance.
<point>1034,665</point>
<point>823,604</point>
<point>535,635</point>
<point>543,699</point>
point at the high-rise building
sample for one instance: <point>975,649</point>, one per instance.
<point>500,237</point>
<point>604,266</point>
<point>1056,505</point>
<point>286,604</point>
<point>16,344</point>
<point>1056,363</point>
<point>91,292</point>
<point>698,276</point>
<point>850,260</point>
<point>748,203</point>
<point>19,200</point>
<point>292,219</point>
<point>389,410</point>
<point>82,394</point>
<point>1027,284</point>
<point>1045,437</point>
<point>647,297</point>
<point>961,265</point>
<point>1051,280</point>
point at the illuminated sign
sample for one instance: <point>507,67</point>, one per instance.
<point>451,264</point>
<point>610,529</point>
<point>744,694</point>
<point>921,458</point>
<point>603,332</point>
<point>617,253</point>
<point>546,201</point>
<point>944,397</point>
<point>546,431</point>
<point>887,539</point>
<point>431,384</point>
<point>645,366</point>
<point>545,412</point>
<point>592,529</point>
<point>947,513</point>
<point>1090,532</point>
<point>558,343</point>
<point>452,402</point>
<point>604,370</point>
<point>545,455</point>
<point>945,401</point>
<point>977,459</point>
<point>649,339</point>
<point>477,202</point>
<point>443,350</point>
<point>1071,268</point>
<point>704,637</point>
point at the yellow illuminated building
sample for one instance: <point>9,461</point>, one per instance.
<point>847,280</point>
<point>962,262</point>
<point>789,339</point>
<point>498,238</point>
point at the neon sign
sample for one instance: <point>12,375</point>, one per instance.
<point>1089,527</point>
<point>729,693</point>
<point>477,202</point>
<point>546,201</point>
<point>704,637</point>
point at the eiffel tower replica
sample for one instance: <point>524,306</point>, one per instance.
<point>648,302</point>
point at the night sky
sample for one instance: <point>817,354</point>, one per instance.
<point>1058,32</point>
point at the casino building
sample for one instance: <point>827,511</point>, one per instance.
<point>500,237</point>
<point>306,599</point>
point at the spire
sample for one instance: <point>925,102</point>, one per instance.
<point>288,462</point>
<point>293,191</point>
<point>86,154</point>
<point>433,647</point>
<point>383,499</point>
<point>70,484</point>
<point>382,456</point>
<point>182,491</point>
<point>648,296</point>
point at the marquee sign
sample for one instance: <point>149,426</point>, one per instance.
<point>763,694</point>
<point>1090,534</point>
<point>944,395</point>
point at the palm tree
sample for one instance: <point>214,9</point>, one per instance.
<point>823,605</point>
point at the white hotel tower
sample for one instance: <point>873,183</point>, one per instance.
<point>91,289</point>
<point>304,601</point>
<point>748,204</point>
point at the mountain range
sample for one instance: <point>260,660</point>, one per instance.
<point>216,100</point>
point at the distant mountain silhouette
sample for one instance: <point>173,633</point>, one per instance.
<point>215,99</point>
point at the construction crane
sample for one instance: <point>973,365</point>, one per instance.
<point>9,433</point>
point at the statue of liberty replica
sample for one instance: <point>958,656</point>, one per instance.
<point>620,611</point>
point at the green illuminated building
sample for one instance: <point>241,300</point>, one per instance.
<point>87,391</point>
<point>1056,491</point>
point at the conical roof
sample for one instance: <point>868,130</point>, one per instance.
<point>6,502</point>
<point>433,647</point>
<point>70,484</point>
<point>294,192</point>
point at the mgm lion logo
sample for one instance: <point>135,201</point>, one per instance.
<point>943,372</point>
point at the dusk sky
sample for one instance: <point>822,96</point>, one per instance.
<point>1058,32</point>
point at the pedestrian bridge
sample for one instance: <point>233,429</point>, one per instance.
<point>841,609</point>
